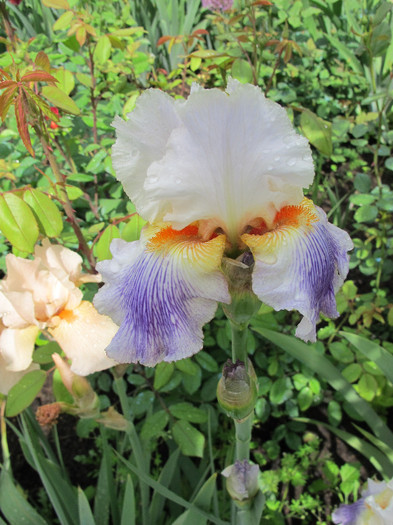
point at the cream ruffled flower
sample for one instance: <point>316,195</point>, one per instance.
<point>43,294</point>
<point>218,175</point>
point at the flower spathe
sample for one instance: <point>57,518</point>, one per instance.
<point>218,175</point>
<point>43,294</point>
<point>375,507</point>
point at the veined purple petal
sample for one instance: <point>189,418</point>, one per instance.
<point>161,293</point>
<point>300,264</point>
<point>348,514</point>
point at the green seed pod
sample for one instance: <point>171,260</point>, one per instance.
<point>237,390</point>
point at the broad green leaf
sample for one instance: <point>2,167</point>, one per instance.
<point>318,131</point>
<point>279,391</point>
<point>61,100</point>
<point>366,213</point>
<point>132,230</point>
<point>73,192</point>
<point>192,382</point>
<point>85,514</point>
<point>141,403</point>
<point>24,392</point>
<point>14,506</point>
<point>17,222</point>
<point>48,215</point>
<point>352,372</point>
<point>305,398</point>
<point>64,21</point>
<point>163,373</point>
<point>43,354</point>
<point>128,511</point>
<point>187,366</point>
<point>102,247</point>
<point>154,425</point>
<point>206,361</point>
<point>341,352</point>
<point>103,50</point>
<point>372,351</point>
<point>242,71</point>
<point>66,80</point>
<point>188,412</point>
<point>334,413</point>
<point>84,79</point>
<point>191,442</point>
<point>367,387</point>
<point>202,500</point>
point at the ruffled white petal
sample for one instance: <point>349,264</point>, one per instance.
<point>224,157</point>
<point>161,292</point>
<point>140,142</point>
<point>300,264</point>
<point>83,334</point>
<point>16,347</point>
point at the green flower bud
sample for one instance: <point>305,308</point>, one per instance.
<point>242,481</point>
<point>237,390</point>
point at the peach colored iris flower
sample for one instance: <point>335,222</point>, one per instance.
<point>43,294</point>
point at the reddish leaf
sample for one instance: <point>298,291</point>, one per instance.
<point>81,35</point>
<point>4,74</point>
<point>20,113</point>
<point>163,39</point>
<point>42,61</point>
<point>261,2</point>
<point>38,76</point>
<point>7,83</point>
<point>40,103</point>
<point>200,32</point>
<point>6,100</point>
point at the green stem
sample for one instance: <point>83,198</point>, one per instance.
<point>239,343</point>
<point>243,429</point>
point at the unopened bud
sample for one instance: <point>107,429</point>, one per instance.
<point>242,481</point>
<point>237,390</point>
<point>244,302</point>
<point>86,400</point>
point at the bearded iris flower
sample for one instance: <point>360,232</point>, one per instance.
<point>220,175</point>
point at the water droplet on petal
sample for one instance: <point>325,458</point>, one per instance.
<point>153,179</point>
<point>291,162</point>
<point>276,159</point>
<point>178,181</point>
<point>269,168</point>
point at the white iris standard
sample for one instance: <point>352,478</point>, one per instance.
<point>218,175</point>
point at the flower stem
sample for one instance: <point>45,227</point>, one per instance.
<point>243,428</point>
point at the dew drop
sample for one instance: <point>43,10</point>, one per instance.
<point>269,168</point>
<point>291,162</point>
<point>276,159</point>
<point>153,179</point>
<point>178,180</point>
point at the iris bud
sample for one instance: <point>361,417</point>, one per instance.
<point>242,481</point>
<point>237,390</point>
